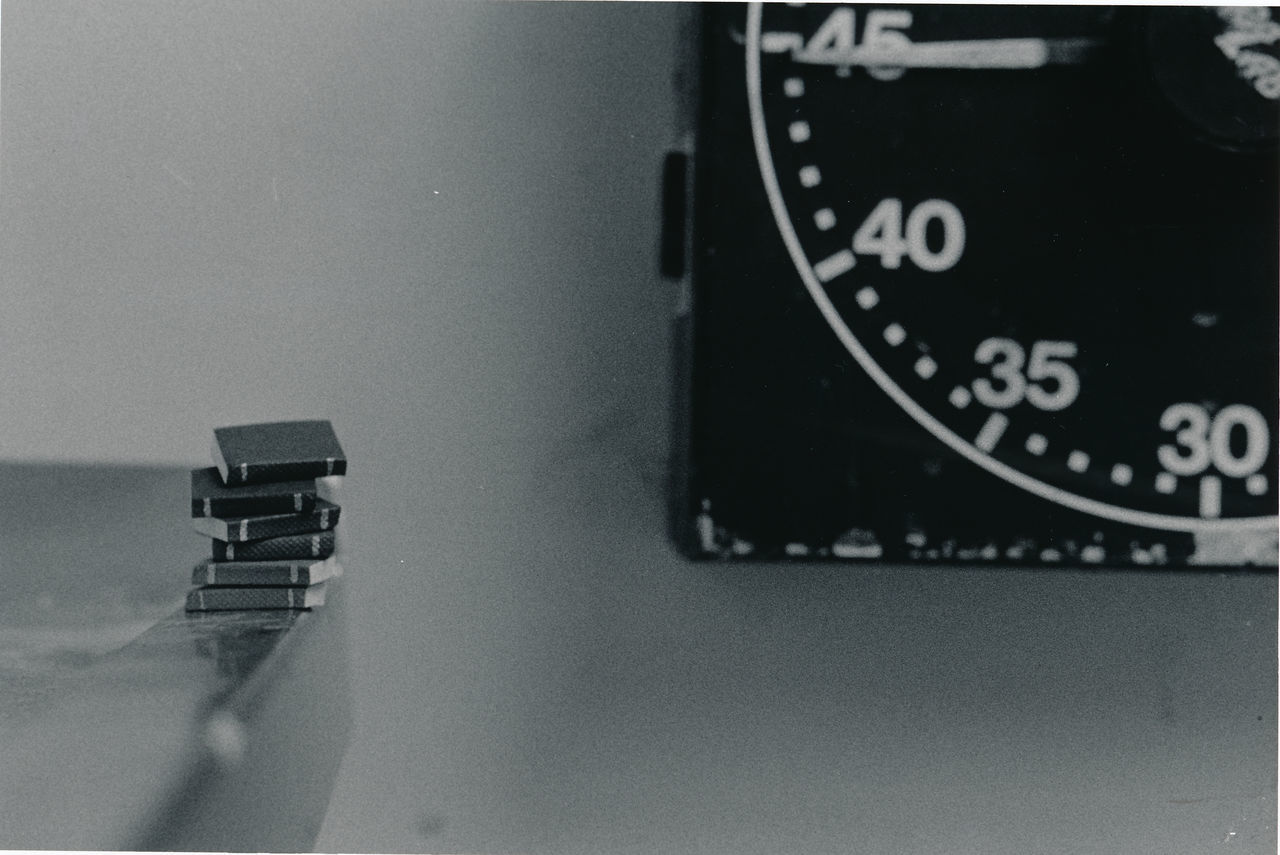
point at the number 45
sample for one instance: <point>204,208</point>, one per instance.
<point>880,30</point>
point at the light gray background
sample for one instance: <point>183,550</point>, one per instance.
<point>417,219</point>
<point>435,224</point>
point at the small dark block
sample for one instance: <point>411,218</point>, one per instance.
<point>323,516</point>
<point>222,599</point>
<point>277,451</point>
<point>317,545</point>
<point>210,497</point>
<point>304,571</point>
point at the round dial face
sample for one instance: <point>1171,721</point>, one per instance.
<point>1048,233</point>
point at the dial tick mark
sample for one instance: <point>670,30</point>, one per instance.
<point>1077,461</point>
<point>926,367</point>
<point>836,265</point>
<point>992,431</point>
<point>1210,496</point>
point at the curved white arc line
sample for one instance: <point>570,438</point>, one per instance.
<point>1002,470</point>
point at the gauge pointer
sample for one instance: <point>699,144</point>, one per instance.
<point>1024,53</point>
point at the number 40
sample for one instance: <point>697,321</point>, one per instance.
<point>882,233</point>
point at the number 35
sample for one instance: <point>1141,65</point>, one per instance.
<point>1017,376</point>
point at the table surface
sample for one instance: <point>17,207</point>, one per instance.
<point>538,670</point>
<point>126,722</point>
<point>578,686</point>
<point>572,684</point>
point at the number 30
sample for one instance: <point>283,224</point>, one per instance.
<point>1203,440</point>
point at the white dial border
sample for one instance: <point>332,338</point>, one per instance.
<point>1054,494</point>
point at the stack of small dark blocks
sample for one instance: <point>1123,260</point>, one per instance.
<point>269,506</point>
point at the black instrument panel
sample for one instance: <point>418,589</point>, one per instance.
<point>982,284</point>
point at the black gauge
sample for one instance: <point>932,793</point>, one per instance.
<point>1047,234</point>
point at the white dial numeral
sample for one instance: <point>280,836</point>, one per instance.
<point>882,28</point>
<point>1202,440</point>
<point>1257,439</point>
<point>1046,364</point>
<point>1190,456</point>
<point>880,31</point>
<point>952,235</point>
<point>835,34</point>
<point>882,234</point>
<point>1007,358</point>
